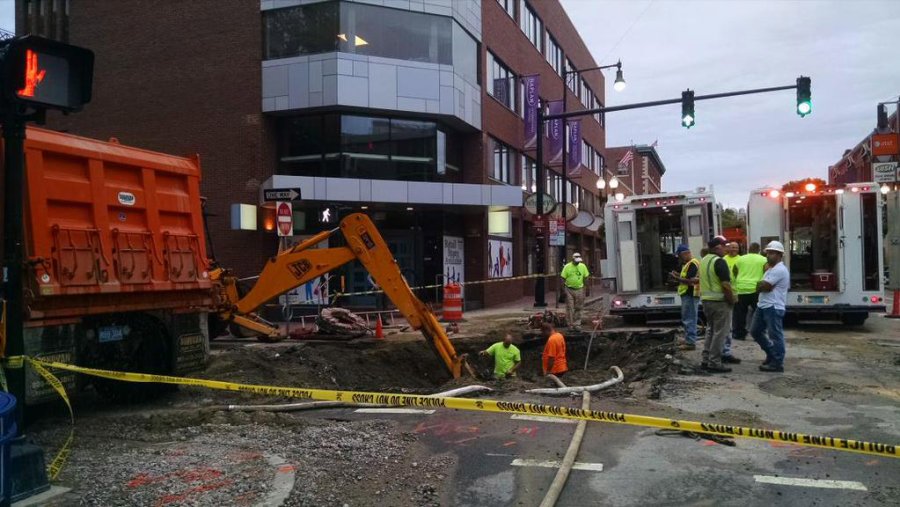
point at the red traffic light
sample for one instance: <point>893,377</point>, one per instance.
<point>46,74</point>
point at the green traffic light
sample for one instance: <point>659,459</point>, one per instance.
<point>804,96</point>
<point>687,121</point>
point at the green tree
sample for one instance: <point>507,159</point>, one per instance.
<point>730,218</point>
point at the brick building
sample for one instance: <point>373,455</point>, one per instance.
<point>638,169</point>
<point>410,111</point>
<point>856,164</point>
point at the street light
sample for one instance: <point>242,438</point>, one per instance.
<point>601,183</point>
<point>885,189</point>
<point>619,85</point>
<point>620,197</point>
<point>613,183</point>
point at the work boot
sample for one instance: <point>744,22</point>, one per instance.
<point>719,369</point>
<point>731,360</point>
<point>767,362</point>
<point>771,367</point>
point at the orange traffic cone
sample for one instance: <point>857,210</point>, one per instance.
<point>895,311</point>
<point>379,329</point>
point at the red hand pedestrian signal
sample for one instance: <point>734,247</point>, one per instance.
<point>33,75</point>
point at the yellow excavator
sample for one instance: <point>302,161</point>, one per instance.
<point>303,263</point>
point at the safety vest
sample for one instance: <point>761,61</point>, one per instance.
<point>683,287</point>
<point>710,285</point>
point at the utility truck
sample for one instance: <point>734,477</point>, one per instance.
<point>833,247</point>
<point>642,233</point>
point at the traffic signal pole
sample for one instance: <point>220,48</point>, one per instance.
<point>539,285</point>
<point>13,239</point>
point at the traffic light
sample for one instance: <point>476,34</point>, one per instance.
<point>882,116</point>
<point>804,97</point>
<point>687,108</point>
<point>45,74</point>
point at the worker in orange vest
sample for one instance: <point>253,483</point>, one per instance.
<point>554,358</point>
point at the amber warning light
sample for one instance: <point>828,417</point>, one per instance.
<point>45,74</point>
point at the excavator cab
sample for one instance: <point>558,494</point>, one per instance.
<point>303,263</point>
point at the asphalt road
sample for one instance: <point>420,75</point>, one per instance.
<point>839,382</point>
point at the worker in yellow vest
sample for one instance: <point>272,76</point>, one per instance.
<point>718,299</point>
<point>748,271</point>
<point>688,290</point>
<point>732,255</point>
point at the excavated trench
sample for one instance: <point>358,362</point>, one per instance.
<point>412,367</point>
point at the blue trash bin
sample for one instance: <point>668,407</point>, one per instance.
<point>7,434</point>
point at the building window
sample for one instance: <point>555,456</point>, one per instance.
<point>555,56</point>
<point>572,83</point>
<point>301,30</point>
<point>47,18</point>
<point>501,82</point>
<point>509,6</point>
<point>529,174</point>
<point>596,104</point>
<point>351,27</point>
<point>531,26</point>
<point>349,146</point>
<point>503,167</point>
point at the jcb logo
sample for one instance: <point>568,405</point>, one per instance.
<point>300,268</point>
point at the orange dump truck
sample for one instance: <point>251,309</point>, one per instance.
<point>116,272</point>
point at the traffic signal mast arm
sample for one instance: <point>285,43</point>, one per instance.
<point>304,263</point>
<point>639,105</point>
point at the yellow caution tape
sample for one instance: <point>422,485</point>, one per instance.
<point>434,286</point>
<point>60,460</point>
<point>510,407</point>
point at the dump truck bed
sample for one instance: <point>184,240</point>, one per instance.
<point>110,228</point>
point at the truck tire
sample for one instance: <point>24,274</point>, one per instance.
<point>854,319</point>
<point>145,350</point>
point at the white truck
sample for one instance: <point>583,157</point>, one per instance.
<point>642,233</point>
<point>833,247</point>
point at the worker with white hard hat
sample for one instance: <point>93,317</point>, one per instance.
<point>767,327</point>
<point>573,276</point>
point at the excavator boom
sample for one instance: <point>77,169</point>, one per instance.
<point>302,263</point>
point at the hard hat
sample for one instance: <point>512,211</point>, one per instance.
<point>577,257</point>
<point>775,246</point>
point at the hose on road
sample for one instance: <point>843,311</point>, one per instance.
<point>562,475</point>
<point>580,389</point>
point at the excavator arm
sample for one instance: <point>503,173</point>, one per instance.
<point>302,263</point>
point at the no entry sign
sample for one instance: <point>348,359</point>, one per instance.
<point>284,218</point>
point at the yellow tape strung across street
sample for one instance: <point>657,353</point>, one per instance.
<point>411,400</point>
<point>436,285</point>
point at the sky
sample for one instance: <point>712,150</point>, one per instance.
<point>738,144</point>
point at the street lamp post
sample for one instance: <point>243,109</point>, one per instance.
<point>619,85</point>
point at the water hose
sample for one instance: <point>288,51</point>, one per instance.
<point>580,389</point>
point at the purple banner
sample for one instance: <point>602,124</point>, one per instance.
<point>556,133</point>
<point>574,165</point>
<point>532,102</point>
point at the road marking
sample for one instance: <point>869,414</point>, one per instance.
<point>810,483</point>
<point>592,467</point>
<point>542,418</point>
<point>393,411</point>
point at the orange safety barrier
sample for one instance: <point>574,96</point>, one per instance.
<point>453,303</point>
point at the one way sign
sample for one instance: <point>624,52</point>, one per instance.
<point>281,194</point>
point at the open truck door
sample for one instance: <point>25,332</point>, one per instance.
<point>628,250</point>
<point>695,223</point>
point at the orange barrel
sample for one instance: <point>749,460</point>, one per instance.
<point>453,303</point>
